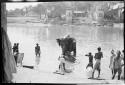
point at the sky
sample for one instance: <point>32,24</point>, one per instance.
<point>12,6</point>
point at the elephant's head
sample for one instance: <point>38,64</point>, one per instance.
<point>61,42</point>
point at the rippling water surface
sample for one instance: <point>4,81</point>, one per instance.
<point>88,39</point>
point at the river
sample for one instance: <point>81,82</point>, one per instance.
<point>88,38</point>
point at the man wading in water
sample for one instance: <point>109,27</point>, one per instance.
<point>37,52</point>
<point>97,57</point>
<point>16,51</point>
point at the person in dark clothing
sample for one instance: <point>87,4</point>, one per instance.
<point>37,50</point>
<point>97,57</point>
<point>14,48</point>
<point>90,60</point>
<point>16,51</point>
<point>17,47</point>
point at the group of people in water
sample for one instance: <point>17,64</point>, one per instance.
<point>116,62</point>
<point>16,52</point>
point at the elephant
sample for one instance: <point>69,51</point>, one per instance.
<point>68,46</point>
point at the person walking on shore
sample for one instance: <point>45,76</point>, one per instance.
<point>61,69</point>
<point>117,65</point>
<point>97,57</point>
<point>122,62</point>
<point>122,56</point>
<point>90,60</point>
<point>111,61</point>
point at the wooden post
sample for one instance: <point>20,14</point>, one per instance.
<point>8,59</point>
<point>3,16</point>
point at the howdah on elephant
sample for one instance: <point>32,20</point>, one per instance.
<point>68,46</point>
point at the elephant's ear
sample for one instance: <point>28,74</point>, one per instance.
<point>58,41</point>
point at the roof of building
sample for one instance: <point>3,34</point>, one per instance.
<point>119,5</point>
<point>79,12</point>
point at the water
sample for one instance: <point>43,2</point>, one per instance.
<point>88,39</point>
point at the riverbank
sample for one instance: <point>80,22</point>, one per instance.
<point>88,38</point>
<point>26,75</point>
<point>37,21</point>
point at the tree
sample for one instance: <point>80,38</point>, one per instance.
<point>39,9</point>
<point>22,12</point>
<point>8,62</point>
<point>25,9</point>
<point>57,9</point>
<point>83,6</point>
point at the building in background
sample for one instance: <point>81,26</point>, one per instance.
<point>69,16</point>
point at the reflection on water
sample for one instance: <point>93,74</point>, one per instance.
<point>88,38</point>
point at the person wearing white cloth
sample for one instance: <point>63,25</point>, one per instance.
<point>98,57</point>
<point>122,62</point>
<point>112,60</point>
<point>61,65</point>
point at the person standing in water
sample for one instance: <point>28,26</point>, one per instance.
<point>37,52</point>
<point>16,51</point>
<point>17,47</point>
<point>97,57</point>
<point>111,61</point>
<point>122,56</point>
<point>14,48</point>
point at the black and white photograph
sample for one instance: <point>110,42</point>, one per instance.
<point>66,42</point>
